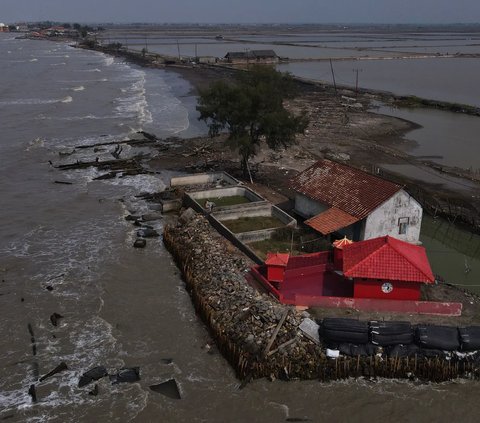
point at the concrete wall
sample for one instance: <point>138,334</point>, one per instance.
<point>203,179</point>
<point>384,220</point>
<point>306,207</point>
<point>254,210</point>
<point>226,192</point>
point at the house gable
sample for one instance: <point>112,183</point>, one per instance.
<point>400,216</point>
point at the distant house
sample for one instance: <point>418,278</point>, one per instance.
<point>336,198</point>
<point>251,56</point>
<point>3,27</point>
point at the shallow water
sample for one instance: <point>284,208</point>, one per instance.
<point>450,138</point>
<point>126,307</point>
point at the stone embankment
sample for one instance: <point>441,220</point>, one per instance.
<point>262,338</point>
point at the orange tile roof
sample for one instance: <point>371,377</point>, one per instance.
<point>387,258</point>
<point>330,220</point>
<point>344,187</point>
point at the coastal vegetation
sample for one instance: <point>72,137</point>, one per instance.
<point>251,109</point>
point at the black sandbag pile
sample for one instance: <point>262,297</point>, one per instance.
<point>409,350</point>
<point>469,338</point>
<point>342,330</point>
<point>384,333</point>
<point>437,337</point>
<point>363,350</point>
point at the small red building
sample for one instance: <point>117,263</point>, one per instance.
<point>386,268</point>
<point>276,264</point>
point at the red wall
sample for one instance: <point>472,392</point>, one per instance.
<point>367,288</point>
<point>275,273</point>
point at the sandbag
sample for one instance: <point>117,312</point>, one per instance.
<point>390,327</point>
<point>363,350</point>
<point>345,336</point>
<point>390,333</point>
<point>469,338</point>
<point>342,324</point>
<point>437,337</point>
<point>403,350</point>
<point>395,339</point>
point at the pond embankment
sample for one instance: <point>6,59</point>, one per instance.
<point>262,338</point>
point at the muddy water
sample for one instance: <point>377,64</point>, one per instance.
<point>126,307</point>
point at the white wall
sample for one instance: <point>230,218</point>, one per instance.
<point>306,207</point>
<point>384,219</point>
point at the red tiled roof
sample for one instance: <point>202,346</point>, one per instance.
<point>387,258</point>
<point>344,187</point>
<point>330,220</point>
<point>277,259</point>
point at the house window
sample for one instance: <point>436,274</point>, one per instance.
<point>403,225</point>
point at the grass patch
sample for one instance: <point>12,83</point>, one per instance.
<point>304,242</point>
<point>229,201</point>
<point>247,224</point>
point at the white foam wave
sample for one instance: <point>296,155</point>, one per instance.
<point>33,60</point>
<point>79,88</point>
<point>140,183</point>
<point>58,64</point>
<point>35,101</point>
<point>109,60</point>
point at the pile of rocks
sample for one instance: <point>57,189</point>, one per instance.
<point>258,335</point>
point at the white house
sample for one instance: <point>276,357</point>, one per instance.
<point>334,197</point>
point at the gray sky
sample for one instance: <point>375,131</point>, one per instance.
<point>244,11</point>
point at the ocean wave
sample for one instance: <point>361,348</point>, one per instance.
<point>35,101</point>
<point>33,60</point>
<point>58,64</point>
<point>79,88</point>
<point>109,60</point>
<point>67,99</point>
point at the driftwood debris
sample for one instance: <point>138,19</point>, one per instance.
<point>60,368</point>
<point>275,332</point>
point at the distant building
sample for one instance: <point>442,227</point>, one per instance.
<point>252,56</point>
<point>336,198</point>
<point>3,27</point>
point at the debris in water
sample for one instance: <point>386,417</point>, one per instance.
<point>168,388</point>
<point>32,391</point>
<point>54,318</point>
<point>94,391</point>
<point>60,368</point>
<point>130,375</point>
<point>140,243</point>
<point>91,375</point>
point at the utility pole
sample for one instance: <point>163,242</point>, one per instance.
<point>196,53</point>
<point>178,49</point>
<point>356,80</point>
<point>146,44</point>
<point>333,76</point>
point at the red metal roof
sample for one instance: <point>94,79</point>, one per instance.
<point>277,259</point>
<point>344,187</point>
<point>387,258</point>
<point>331,220</point>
